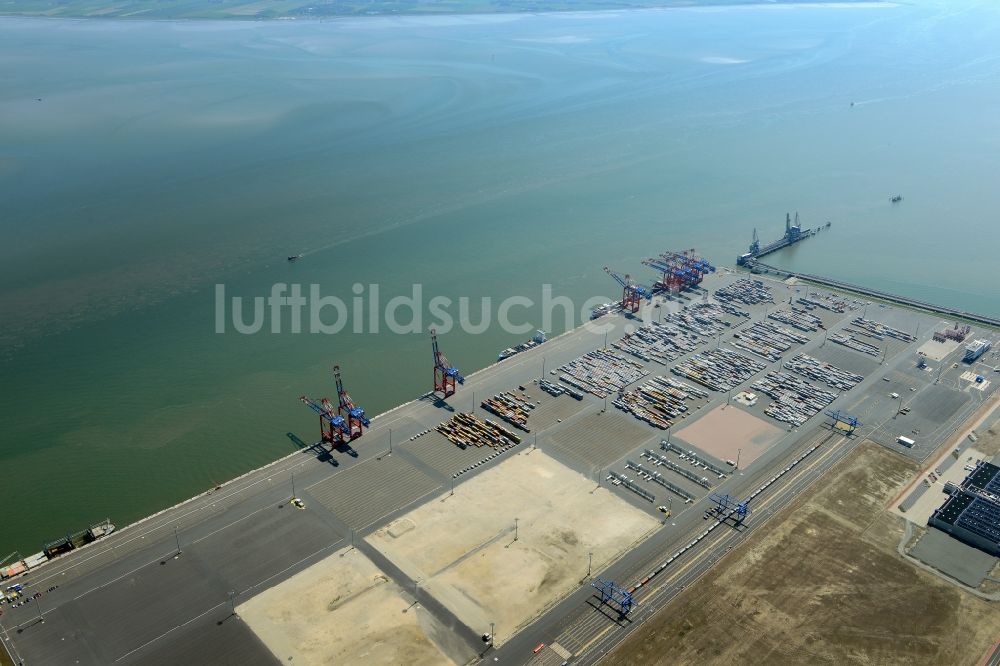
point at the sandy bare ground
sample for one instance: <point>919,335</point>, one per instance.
<point>725,430</point>
<point>823,584</point>
<point>462,549</point>
<point>936,351</point>
<point>343,610</point>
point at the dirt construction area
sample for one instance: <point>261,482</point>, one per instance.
<point>462,548</point>
<point>727,432</point>
<point>343,610</point>
<point>823,584</point>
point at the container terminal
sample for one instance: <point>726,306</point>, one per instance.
<point>450,530</point>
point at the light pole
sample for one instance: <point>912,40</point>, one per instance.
<point>543,367</point>
<point>177,540</point>
<point>293,489</point>
<point>493,634</point>
<point>605,339</point>
<point>390,441</point>
<point>473,403</point>
<point>590,563</point>
<point>232,601</point>
<point>738,453</point>
<point>515,529</point>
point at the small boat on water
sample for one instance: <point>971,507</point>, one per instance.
<point>294,257</point>
<point>897,198</point>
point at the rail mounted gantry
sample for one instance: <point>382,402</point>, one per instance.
<point>346,409</point>
<point>632,293</point>
<point>727,507</point>
<point>611,593</point>
<point>843,421</point>
<point>445,374</point>
<point>333,429</point>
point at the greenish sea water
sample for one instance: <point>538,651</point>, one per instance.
<point>142,163</point>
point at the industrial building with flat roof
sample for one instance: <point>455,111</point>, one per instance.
<point>985,478</point>
<point>972,512</point>
<point>975,349</point>
<point>970,518</point>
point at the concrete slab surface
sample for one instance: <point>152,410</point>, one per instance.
<point>600,438</point>
<point>374,489</point>
<point>728,432</point>
<point>952,557</point>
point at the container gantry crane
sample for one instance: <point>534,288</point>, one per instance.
<point>632,294</point>
<point>664,268</point>
<point>688,269</point>
<point>332,427</point>
<point>355,416</point>
<point>445,374</point>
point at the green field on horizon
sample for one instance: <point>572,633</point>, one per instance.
<point>273,9</point>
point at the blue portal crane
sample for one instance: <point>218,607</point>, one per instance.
<point>727,507</point>
<point>356,419</point>
<point>445,374</point>
<point>611,593</point>
<point>843,421</point>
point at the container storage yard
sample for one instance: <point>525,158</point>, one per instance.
<point>719,369</point>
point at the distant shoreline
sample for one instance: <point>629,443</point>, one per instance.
<point>318,10</point>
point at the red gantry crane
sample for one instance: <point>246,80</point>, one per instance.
<point>346,409</point>
<point>632,294</point>
<point>332,427</point>
<point>445,375</point>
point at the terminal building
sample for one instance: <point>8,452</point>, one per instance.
<point>975,349</point>
<point>972,513</point>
